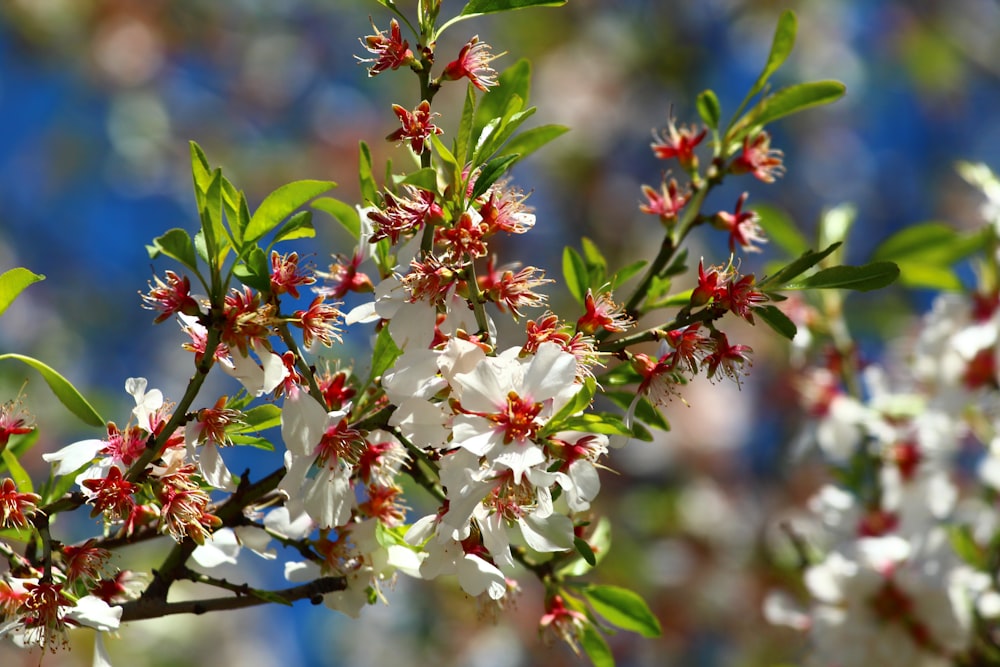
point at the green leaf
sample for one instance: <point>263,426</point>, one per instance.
<point>596,648</point>
<point>861,278</point>
<point>623,274</point>
<point>260,418</point>
<point>237,213</point>
<point>531,140</point>
<point>491,172</point>
<point>709,109</point>
<point>575,274</point>
<point>281,203</point>
<point>929,243</point>
<point>176,244</point>
<point>777,320</point>
<point>914,273</point>
<point>583,548</point>
<point>494,137</point>
<point>597,266</point>
<point>781,46</point>
<point>781,229</point>
<point>463,139</point>
<point>385,353</point>
<point>798,266</point>
<point>342,212</point>
<point>515,81</point>
<point>17,472</point>
<point>964,544</point>
<point>597,422</point>
<point>255,441</point>
<point>599,543</point>
<point>793,99</point>
<point>13,282</point>
<point>255,270</point>
<point>624,609</point>
<point>63,389</point>
<point>425,179</point>
<point>369,191</point>
<point>299,226</point>
<point>479,7</point>
<point>580,402</point>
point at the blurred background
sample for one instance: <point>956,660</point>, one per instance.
<point>99,99</point>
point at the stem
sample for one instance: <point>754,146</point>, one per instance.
<point>476,297</point>
<point>301,364</point>
<point>146,608</point>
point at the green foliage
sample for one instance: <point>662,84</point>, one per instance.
<point>282,203</point>
<point>926,253</point>
<point>860,278</point>
<point>63,389</point>
<point>781,230</point>
<point>623,609</point>
<point>13,282</point>
<point>709,109</point>
<point>342,212</point>
<point>777,320</point>
<point>480,7</point>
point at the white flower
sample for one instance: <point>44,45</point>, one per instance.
<point>505,400</point>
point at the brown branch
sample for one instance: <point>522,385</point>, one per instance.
<point>145,608</point>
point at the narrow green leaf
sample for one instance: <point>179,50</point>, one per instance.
<point>624,609</point>
<point>299,226</point>
<point>575,274</point>
<point>599,543</point>
<point>929,242</point>
<point>596,648</point>
<point>425,179</point>
<point>861,278</point>
<point>260,418</point>
<point>623,274</point>
<point>964,544</point>
<point>793,99</point>
<point>342,212</point>
<point>508,124</point>
<point>781,46</point>
<point>232,201</point>
<point>201,174</point>
<point>13,282</point>
<point>177,244</point>
<point>479,7</point>
<point>255,441</point>
<point>515,81</point>
<point>915,273</point>
<point>463,139</point>
<point>255,270</point>
<point>709,109</point>
<point>491,172</point>
<point>17,472</point>
<point>281,203</point>
<point>596,264</point>
<point>531,140</point>
<point>798,266</point>
<point>583,548</point>
<point>385,353</point>
<point>369,191</point>
<point>777,320</point>
<point>63,389</point>
<point>781,229</point>
<point>597,422</point>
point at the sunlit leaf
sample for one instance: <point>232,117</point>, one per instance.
<point>13,282</point>
<point>63,390</point>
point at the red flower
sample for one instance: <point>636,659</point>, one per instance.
<point>744,230</point>
<point>318,322</point>
<point>602,313</point>
<point>111,495</point>
<point>678,144</point>
<point>417,126</point>
<point>390,52</point>
<point>171,297</point>
<point>15,507</point>
<point>285,275</point>
<point>727,358</point>
<point>759,159</point>
<point>667,203</point>
<point>473,62</point>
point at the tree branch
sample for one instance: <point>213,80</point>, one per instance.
<point>145,608</point>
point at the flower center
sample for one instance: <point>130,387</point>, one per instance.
<point>520,419</point>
